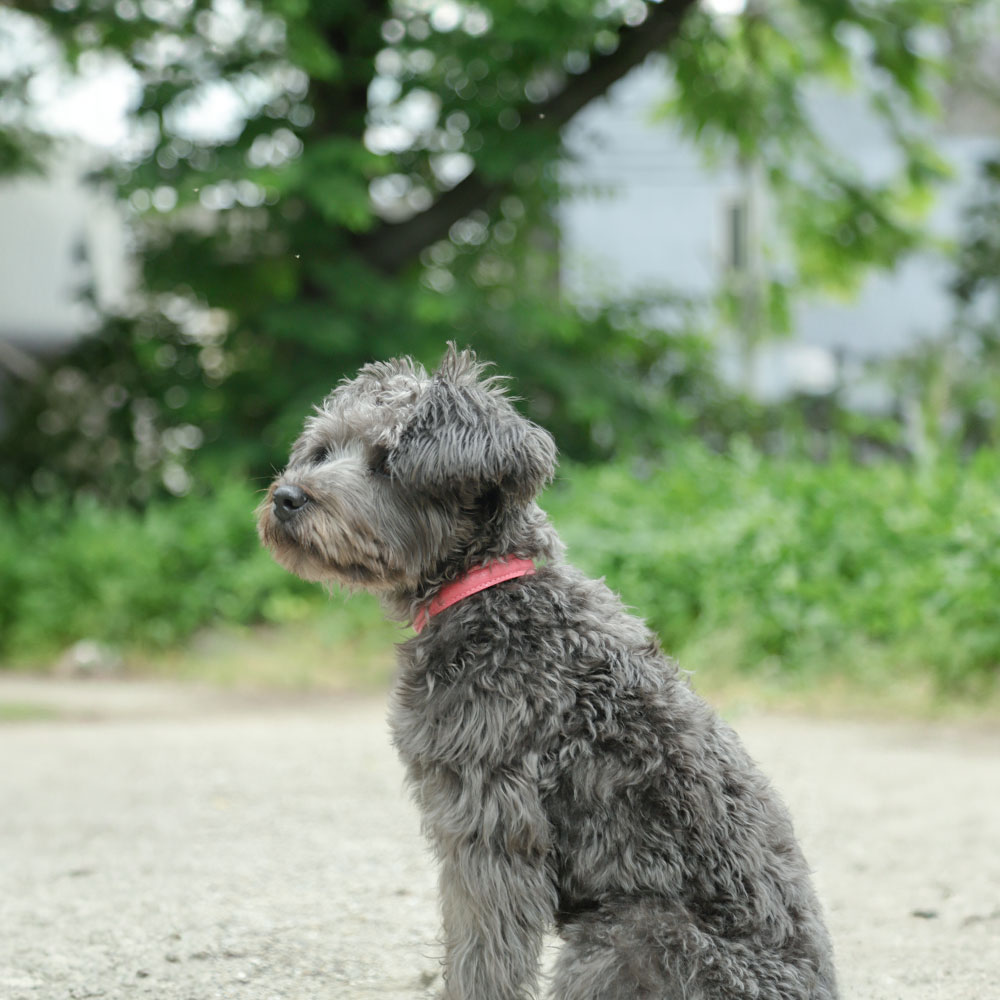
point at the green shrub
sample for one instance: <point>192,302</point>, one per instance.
<point>806,568</point>
<point>776,565</point>
<point>74,570</point>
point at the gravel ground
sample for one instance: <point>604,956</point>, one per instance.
<point>170,843</point>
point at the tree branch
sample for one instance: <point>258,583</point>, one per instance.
<point>390,246</point>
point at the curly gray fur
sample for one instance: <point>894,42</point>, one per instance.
<point>567,775</point>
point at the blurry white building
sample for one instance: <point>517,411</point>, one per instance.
<point>648,211</point>
<point>59,236</point>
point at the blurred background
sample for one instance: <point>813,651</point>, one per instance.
<point>741,258</point>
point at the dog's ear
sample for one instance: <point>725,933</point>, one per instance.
<point>466,437</point>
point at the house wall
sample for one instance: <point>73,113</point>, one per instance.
<point>647,210</point>
<point>57,235</point>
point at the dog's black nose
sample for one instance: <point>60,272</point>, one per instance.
<point>288,501</point>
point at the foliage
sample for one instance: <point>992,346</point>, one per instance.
<point>290,227</point>
<point>73,570</point>
<point>778,565</point>
<point>801,568</point>
<point>953,380</point>
<point>385,183</point>
<point>744,87</point>
<point>120,416</point>
<point>976,392</point>
<point>123,410</point>
<point>978,263</point>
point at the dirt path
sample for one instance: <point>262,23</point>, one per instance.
<point>167,843</point>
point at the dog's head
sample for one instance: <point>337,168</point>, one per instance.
<point>401,475</point>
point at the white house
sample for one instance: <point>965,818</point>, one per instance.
<point>58,235</point>
<point>649,211</point>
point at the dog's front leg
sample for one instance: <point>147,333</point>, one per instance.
<point>496,905</point>
<point>498,892</point>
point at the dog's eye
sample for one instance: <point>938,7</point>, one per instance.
<point>380,462</point>
<point>319,456</point>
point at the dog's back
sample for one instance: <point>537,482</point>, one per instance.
<point>542,718</point>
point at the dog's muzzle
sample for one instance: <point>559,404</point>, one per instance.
<point>288,501</point>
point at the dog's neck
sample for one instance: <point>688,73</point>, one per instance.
<point>477,579</point>
<point>527,536</point>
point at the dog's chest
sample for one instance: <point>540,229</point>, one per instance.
<point>454,710</point>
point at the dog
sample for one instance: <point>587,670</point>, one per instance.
<point>567,776</point>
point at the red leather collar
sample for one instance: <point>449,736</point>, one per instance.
<point>480,578</point>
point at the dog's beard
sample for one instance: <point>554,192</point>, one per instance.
<point>317,548</point>
<point>360,528</point>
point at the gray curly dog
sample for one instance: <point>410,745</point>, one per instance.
<point>567,776</point>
